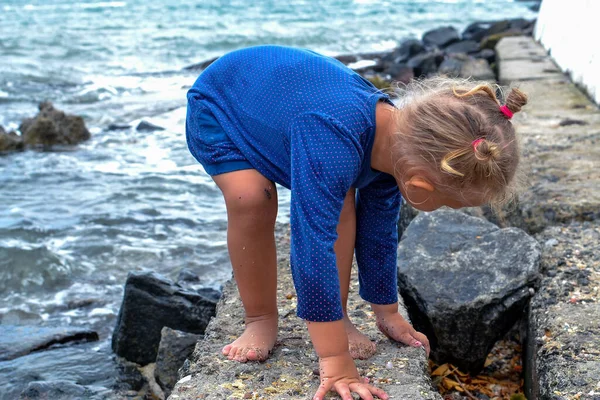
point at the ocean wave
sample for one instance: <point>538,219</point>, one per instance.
<point>45,7</point>
<point>26,268</point>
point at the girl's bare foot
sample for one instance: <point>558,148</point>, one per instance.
<point>360,346</point>
<point>395,327</point>
<point>256,342</point>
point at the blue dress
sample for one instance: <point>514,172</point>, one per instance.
<point>306,122</point>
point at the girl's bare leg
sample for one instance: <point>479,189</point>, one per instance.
<point>360,345</point>
<point>251,201</point>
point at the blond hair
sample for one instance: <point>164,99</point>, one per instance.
<point>456,126</point>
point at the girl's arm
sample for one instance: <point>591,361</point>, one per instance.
<point>378,209</point>
<point>325,160</point>
<point>377,212</point>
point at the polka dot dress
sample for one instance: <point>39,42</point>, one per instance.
<point>307,122</point>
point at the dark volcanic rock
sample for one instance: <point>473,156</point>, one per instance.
<point>145,126</point>
<point>407,49</point>
<point>175,347</point>
<point>151,302</point>
<point>426,64</point>
<point>52,126</point>
<point>441,37</point>
<point>18,341</point>
<point>347,58</point>
<point>200,66</point>
<point>486,54</point>
<point>465,282</point>
<point>466,46</point>
<point>117,127</point>
<point>407,214</point>
<point>490,42</point>
<point>400,73</point>
<point>476,31</point>
<point>10,141</point>
<point>451,67</point>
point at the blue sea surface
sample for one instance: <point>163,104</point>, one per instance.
<point>75,221</point>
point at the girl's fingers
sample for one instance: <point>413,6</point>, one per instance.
<point>378,392</point>
<point>344,391</point>
<point>362,390</point>
<point>424,341</point>
<point>322,391</point>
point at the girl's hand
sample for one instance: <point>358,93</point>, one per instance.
<point>339,373</point>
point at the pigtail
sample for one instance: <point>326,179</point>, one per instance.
<point>516,100</point>
<point>487,89</point>
<point>486,151</point>
<point>448,158</point>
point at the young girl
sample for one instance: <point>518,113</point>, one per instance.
<point>271,114</point>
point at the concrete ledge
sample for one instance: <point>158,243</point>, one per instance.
<point>519,48</point>
<point>560,131</point>
<point>521,59</point>
<point>292,370</point>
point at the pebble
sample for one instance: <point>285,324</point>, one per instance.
<point>550,243</point>
<point>389,365</point>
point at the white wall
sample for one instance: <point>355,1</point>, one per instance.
<point>570,30</point>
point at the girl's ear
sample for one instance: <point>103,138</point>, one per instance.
<point>417,181</point>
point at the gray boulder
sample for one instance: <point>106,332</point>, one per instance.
<point>486,54</point>
<point>425,64</point>
<point>465,282</point>
<point>477,30</point>
<point>201,65</point>
<point>465,46</point>
<point>175,347</point>
<point>10,141</point>
<point>407,214</point>
<point>149,303</point>
<point>451,67</point>
<point>477,69</point>
<point>406,50</point>
<point>52,127</point>
<point>441,37</point>
<point>145,126</point>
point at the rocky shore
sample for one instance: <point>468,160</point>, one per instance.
<point>445,51</point>
<point>559,297</point>
<point>561,203</point>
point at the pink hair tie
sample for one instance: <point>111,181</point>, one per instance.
<point>476,142</point>
<point>509,114</point>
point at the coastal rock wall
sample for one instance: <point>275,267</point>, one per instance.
<point>560,130</point>
<point>561,28</point>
